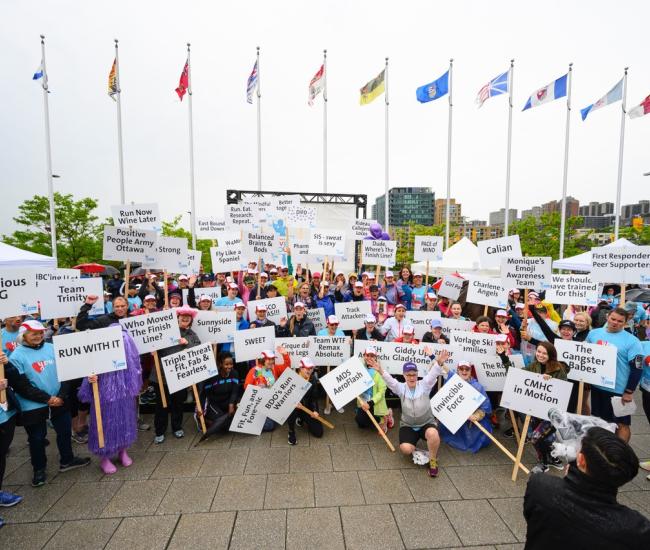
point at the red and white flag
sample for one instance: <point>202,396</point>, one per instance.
<point>184,82</point>
<point>316,85</point>
<point>640,110</point>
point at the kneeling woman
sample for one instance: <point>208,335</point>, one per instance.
<point>374,399</point>
<point>417,421</point>
<point>469,437</point>
<point>309,401</point>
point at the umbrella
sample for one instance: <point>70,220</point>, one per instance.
<point>637,295</point>
<point>141,272</point>
<point>97,268</point>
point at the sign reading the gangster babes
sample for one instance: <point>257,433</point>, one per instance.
<point>81,354</point>
<point>474,342</point>
<point>153,331</point>
<point>215,327</point>
<point>451,287</point>
<point>17,287</point>
<point>589,363</point>
<point>123,244</point>
<point>492,250</point>
<point>250,416</point>
<point>241,216</point>
<point>285,394</point>
<point>260,244</point>
<point>210,228</point>
<point>358,230</point>
<point>378,253</point>
<point>329,350</point>
<point>170,255</point>
<point>421,321</point>
<point>427,249</point>
<point>276,308</point>
<point>352,314</point>
<point>228,255</point>
<point>140,216</point>
<point>64,298</point>
<point>532,272</point>
<point>297,348</point>
<point>487,292</point>
<point>327,243</point>
<point>187,367</point>
<point>529,393</point>
<point>578,290</point>
<point>250,343</point>
<point>346,382</point>
<point>455,402</point>
<point>630,265</point>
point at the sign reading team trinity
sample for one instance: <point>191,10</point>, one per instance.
<point>64,298</point>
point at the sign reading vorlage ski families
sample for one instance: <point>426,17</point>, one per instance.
<point>250,415</point>
<point>421,321</point>
<point>589,363</point>
<point>276,308</point>
<point>241,216</point>
<point>123,244</point>
<point>378,253</point>
<point>227,256</point>
<point>346,382</point>
<point>250,343</point>
<point>297,348</point>
<point>455,402</point>
<point>64,298</point>
<point>210,228</point>
<point>451,287</point>
<point>187,367</point>
<point>81,354</point>
<point>329,243</point>
<point>474,342</point>
<point>490,371</point>
<point>351,315</point>
<point>329,350</point>
<point>624,264</point>
<point>215,327</point>
<point>170,255</point>
<point>427,249</point>
<point>529,393</point>
<point>260,244</point>
<point>487,292</point>
<point>286,393</point>
<point>532,272</point>
<point>578,290</point>
<point>358,230</point>
<point>17,288</point>
<point>153,331</point>
<point>492,250</point>
<point>140,216</point>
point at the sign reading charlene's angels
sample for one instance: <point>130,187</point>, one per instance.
<point>17,292</point>
<point>427,249</point>
<point>170,254</point>
<point>487,291</point>
<point>153,331</point>
<point>378,253</point>
<point>530,393</point>
<point>140,216</point>
<point>189,366</point>
<point>578,290</point>
<point>492,250</point>
<point>123,244</point>
<point>532,272</point>
<point>624,264</point>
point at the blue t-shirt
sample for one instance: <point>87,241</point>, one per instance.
<point>39,367</point>
<point>9,343</point>
<point>628,347</point>
<point>645,377</point>
<point>225,301</point>
<point>324,332</point>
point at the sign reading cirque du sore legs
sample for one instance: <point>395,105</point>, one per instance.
<point>351,315</point>
<point>187,367</point>
<point>529,393</point>
<point>297,348</point>
<point>285,394</point>
<point>487,292</point>
<point>532,272</point>
<point>492,250</point>
<point>140,216</point>
<point>329,350</point>
<point>347,381</point>
<point>427,249</point>
<point>250,415</point>
<point>455,402</point>
<point>153,331</point>
<point>276,308</point>
<point>378,252</point>
<point>17,287</point>
<point>215,327</point>
<point>629,265</point>
<point>451,287</point>
<point>81,354</point>
<point>578,290</point>
<point>329,243</point>
<point>124,244</point>
<point>590,363</point>
<point>250,343</point>
<point>227,256</point>
<point>64,298</point>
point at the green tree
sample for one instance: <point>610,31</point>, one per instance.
<point>78,231</point>
<point>541,237</point>
<point>174,229</point>
<point>639,236</point>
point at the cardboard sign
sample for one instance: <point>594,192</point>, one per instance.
<point>578,290</point>
<point>427,249</point>
<point>329,350</point>
<point>250,416</point>
<point>630,265</point>
<point>193,265</point>
<point>241,216</point>
<point>265,210</point>
<point>250,343</point>
<point>490,371</point>
<point>352,315</point>
<point>532,272</point>
<point>227,256</point>
<point>317,316</point>
<point>282,203</point>
<point>260,244</point>
<point>153,331</point>
<point>81,354</point>
<point>187,367</point>
<point>300,252</point>
<point>329,243</point>
<point>170,255</point>
<point>285,394</point>
<point>139,216</point>
<point>589,363</point>
<point>17,289</point>
<point>474,342</point>
<point>213,291</point>
<point>358,230</point>
<point>210,228</point>
<point>297,348</point>
<point>215,327</point>
<point>456,324</point>
<point>301,216</point>
<point>378,253</point>
<point>421,321</point>
<point>346,382</point>
<point>455,402</point>
<point>276,308</point>
<point>451,287</point>
<point>530,393</point>
<point>122,244</point>
<point>487,292</point>
<point>492,250</point>
<point>65,298</point>
<point>42,275</point>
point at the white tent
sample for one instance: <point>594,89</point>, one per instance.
<point>13,257</point>
<point>582,262</point>
<point>462,257</point>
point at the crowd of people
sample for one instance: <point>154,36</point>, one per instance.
<point>36,399</point>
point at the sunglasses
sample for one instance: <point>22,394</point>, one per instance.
<point>464,368</point>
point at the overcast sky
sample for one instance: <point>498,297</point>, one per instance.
<point>600,38</point>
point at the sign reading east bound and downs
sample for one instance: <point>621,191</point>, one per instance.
<point>346,382</point>
<point>210,228</point>
<point>153,331</point>
<point>529,393</point>
<point>492,250</point>
<point>123,244</point>
<point>427,249</point>
<point>285,394</point>
<point>139,216</point>
<point>378,252</point>
<point>351,315</point>
<point>250,343</point>
<point>589,363</point>
<point>532,272</point>
<point>187,367</point>
<point>329,350</point>
<point>455,402</point>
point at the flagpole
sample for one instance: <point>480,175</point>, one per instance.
<point>451,66</point>
<point>120,151</point>
<point>617,213</point>
<point>48,151</point>
<point>566,161</point>
<point>191,131</point>
<point>259,124</point>
<point>506,220</point>
<point>324,121</point>
<point>386,186</point>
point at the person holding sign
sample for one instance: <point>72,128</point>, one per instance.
<point>435,335</point>
<point>408,336</point>
<point>309,401</point>
<point>370,331</point>
<point>231,299</point>
<point>117,392</point>
<point>373,400</point>
<point>417,421</point>
<point>298,326</point>
<point>10,333</point>
<point>120,310</point>
<point>393,327</point>
<point>7,429</point>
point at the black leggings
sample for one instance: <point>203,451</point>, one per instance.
<point>175,403</point>
<point>645,394</point>
<point>314,426</point>
<point>6,437</point>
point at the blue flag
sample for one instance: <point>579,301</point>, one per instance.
<point>434,89</point>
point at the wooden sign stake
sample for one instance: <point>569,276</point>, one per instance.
<point>166,289</point>
<point>127,276</point>
<point>515,425</point>
<point>379,430</point>
<point>197,400</point>
<point>485,311</point>
<point>3,393</point>
<point>161,386</point>
<point>98,416</point>
<point>259,277</point>
<point>622,303</point>
<point>498,444</point>
<point>311,413</point>
<point>426,280</point>
<point>520,448</point>
<point>581,395</point>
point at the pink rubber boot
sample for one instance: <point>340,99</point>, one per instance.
<point>107,466</point>
<point>125,458</point>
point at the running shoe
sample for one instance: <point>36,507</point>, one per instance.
<point>77,462</point>
<point>645,465</point>
<point>143,426</point>
<point>433,468</point>
<point>540,468</point>
<point>328,410</point>
<point>299,422</point>
<point>292,438</point>
<point>178,434</point>
<point>9,499</point>
<point>509,433</point>
<point>159,439</point>
<point>79,438</point>
<point>39,478</point>
<point>556,463</point>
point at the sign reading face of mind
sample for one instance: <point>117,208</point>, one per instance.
<point>285,394</point>
<point>329,350</point>
<point>81,354</point>
<point>532,272</point>
<point>250,343</point>
<point>378,253</point>
<point>492,250</point>
<point>329,243</point>
<point>64,298</point>
<point>215,327</point>
<point>17,287</point>
<point>351,315</point>
<point>487,292</point>
<point>451,287</point>
<point>276,308</point>
<point>210,228</point>
<point>427,249</point>
<point>170,255</point>
<point>227,256</point>
<point>153,331</point>
<point>630,265</point>
<point>140,216</point>
<point>455,402</point>
<point>529,393</point>
<point>250,415</point>
<point>187,367</point>
<point>358,230</point>
<point>346,382</point>
<point>123,244</point>
<point>578,290</point>
<point>589,363</point>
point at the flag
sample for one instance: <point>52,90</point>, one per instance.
<point>184,82</point>
<point>640,110</point>
<point>374,88</point>
<point>39,72</point>
<point>496,86</point>
<point>112,81</point>
<point>252,84</point>
<point>615,94</point>
<point>316,85</point>
<point>434,89</point>
<point>554,90</point>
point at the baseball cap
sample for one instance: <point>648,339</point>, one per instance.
<point>418,274</point>
<point>307,363</point>
<point>370,319</point>
<point>358,284</point>
<point>273,270</point>
<point>260,307</point>
<point>267,354</point>
<point>398,306</point>
<point>533,294</point>
<point>501,338</point>
<point>36,326</point>
<point>149,297</point>
<point>370,350</point>
<point>264,275</point>
<point>431,295</point>
<point>299,304</point>
<point>332,320</point>
<point>203,298</point>
<point>340,273</point>
<point>183,278</point>
<point>463,363</point>
<point>436,323</point>
<point>409,367</point>
<point>519,305</point>
<point>409,329</point>
<point>186,310</point>
<point>501,313</point>
<point>232,286</point>
<point>315,275</point>
<point>389,274</point>
<point>239,304</point>
<point>567,323</point>
<point>513,290</point>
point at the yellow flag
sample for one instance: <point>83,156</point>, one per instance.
<point>112,81</point>
<point>373,89</point>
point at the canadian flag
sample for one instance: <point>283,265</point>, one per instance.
<point>316,85</point>
<point>640,110</point>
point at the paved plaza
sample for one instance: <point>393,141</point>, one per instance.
<point>346,490</point>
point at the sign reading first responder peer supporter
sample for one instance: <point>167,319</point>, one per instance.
<point>81,354</point>
<point>65,298</point>
<point>139,216</point>
<point>530,393</point>
<point>455,402</point>
<point>250,414</point>
<point>123,244</point>
<point>346,382</point>
<point>589,363</point>
<point>189,366</point>
<point>492,250</point>
<point>379,252</point>
<point>153,331</point>
<point>285,394</point>
<point>250,343</point>
<point>624,264</point>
